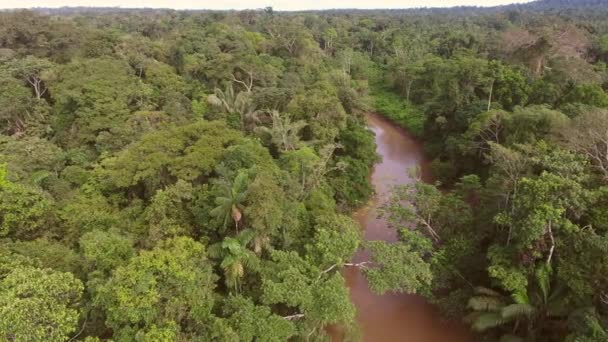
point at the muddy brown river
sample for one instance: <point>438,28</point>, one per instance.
<point>394,317</point>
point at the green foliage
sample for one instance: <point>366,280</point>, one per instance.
<point>320,297</point>
<point>167,215</point>
<point>252,321</point>
<point>229,202</point>
<point>589,94</point>
<point>264,211</point>
<point>24,211</point>
<point>32,160</point>
<point>283,133</point>
<point>15,103</point>
<point>337,238</point>
<point>583,263</point>
<point>535,308</point>
<point>168,88</point>
<point>159,158</point>
<point>132,143</point>
<point>48,253</point>
<point>38,304</point>
<point>92,96</point>
<point>105,251</point>
<point>401,112</point>
<point>175,274</point>
<point>235,258</point>
<point>397,267</point>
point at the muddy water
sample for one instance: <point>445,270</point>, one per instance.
<point>394,317</point>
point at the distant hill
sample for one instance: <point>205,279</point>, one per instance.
<point>569,4</point>
<point>539,5</point>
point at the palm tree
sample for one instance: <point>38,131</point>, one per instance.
<point>534,309</point>
<point>230,204</point>
<point>235,257</point>
<point>230,102</point>
<point>283,133</point>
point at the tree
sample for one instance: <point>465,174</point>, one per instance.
<point>319,298</point>
<point>603,47</point>
<point>15,106</point>
<point>283,133</point>
<point>264,210</point>
<point>171,284</point>
<point>582,266</point>
<point>423,209</point>
<point>168,88</point>
<point>31,70</point>
<point>336,239</point>
<point>47,253</point>
<point>91,96</point>
<point>321,109</point>
<point>235,258</point>
<point>530,313</point>
<point>535,48</point>
<point>240,104</point>
<point>405,64</point>
<point>229,203</point>
<point>105,251</point>
<point>159,158</point>
<point>167,215</point>
<point>588,134</point>
<point>38,304</point>
<point>87,211</point>
<point>544,209</point>
<point>251,321</point>
<point>24,210</point>
<point>510,88</point>
<point>228,100</point>
<point>397,267</point>
<point>487,127</point>
<point>532,123</point>
<point>32,160</point>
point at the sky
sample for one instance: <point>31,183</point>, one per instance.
<point>281,5</point>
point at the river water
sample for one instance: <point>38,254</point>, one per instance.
<point>394,317</point>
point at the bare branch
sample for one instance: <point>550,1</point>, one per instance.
<point>552,249</point>
<point>248,85</point>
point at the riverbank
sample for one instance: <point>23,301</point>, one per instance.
<point>398,110</point>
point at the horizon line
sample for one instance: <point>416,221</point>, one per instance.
<point>522,2</point>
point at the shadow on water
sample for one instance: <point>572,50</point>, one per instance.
<point>393,317</point>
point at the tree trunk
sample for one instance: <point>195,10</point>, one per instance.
<point>408,89</point>
<point>490,97</point>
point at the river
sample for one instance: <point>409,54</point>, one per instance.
<point>394,317</point>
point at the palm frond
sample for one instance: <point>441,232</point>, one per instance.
<point>520,297</point>
<point>513,311</point>
<point>487,291</point>
<point>215,101</point>
<point>245,236</point>
<point>543,279</point>
<point>488,321</point>
<point>485,303</point>
<point>232,245</point>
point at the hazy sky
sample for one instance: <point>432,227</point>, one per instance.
<point>244,4</point>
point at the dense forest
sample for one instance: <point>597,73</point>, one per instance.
<point>190,175</point>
